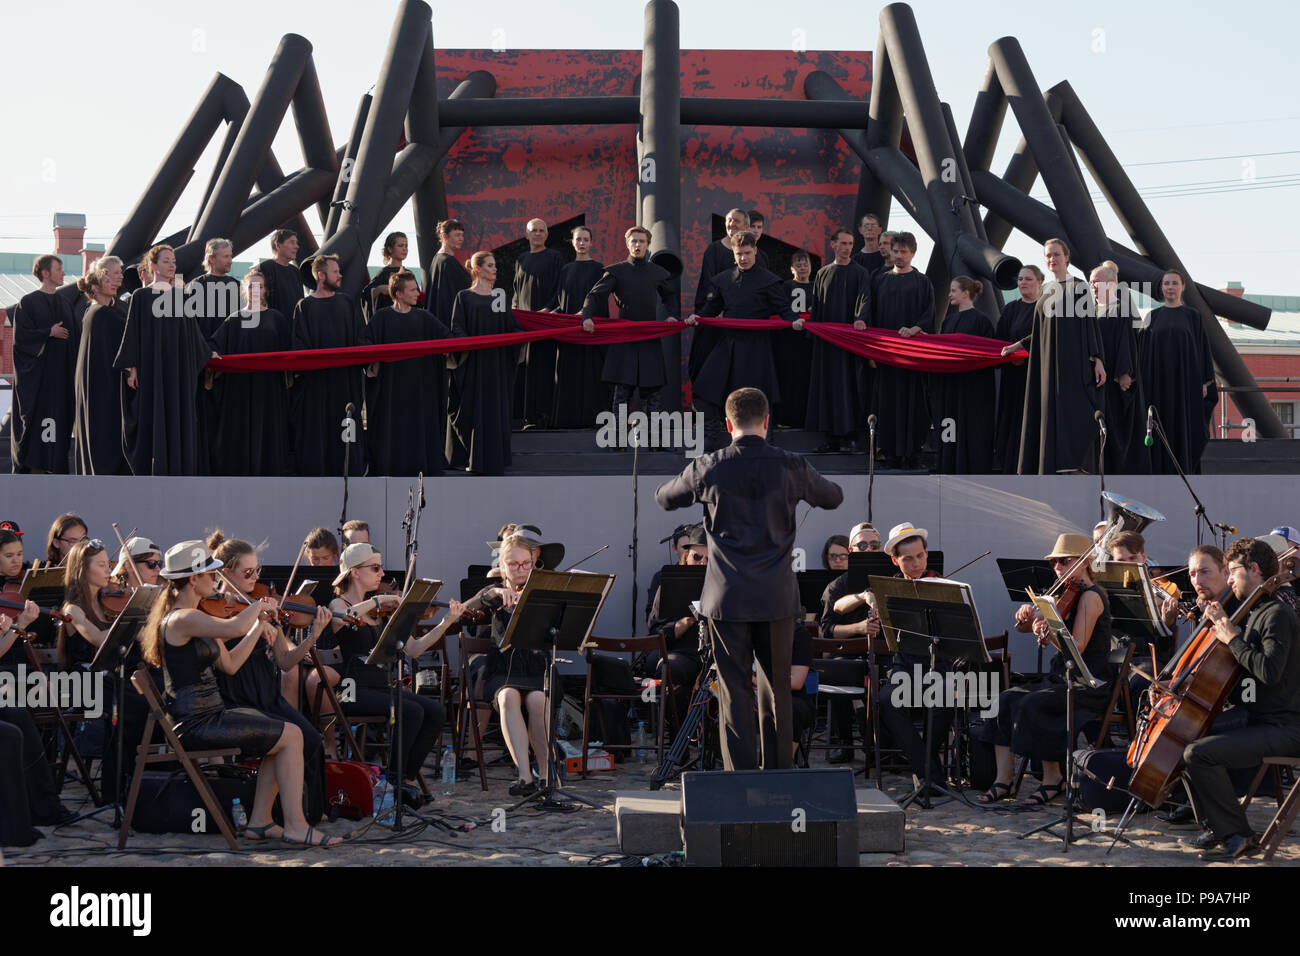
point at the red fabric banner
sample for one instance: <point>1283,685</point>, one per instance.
<point>924,353</point>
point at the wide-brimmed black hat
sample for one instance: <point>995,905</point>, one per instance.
<point>552,552</point>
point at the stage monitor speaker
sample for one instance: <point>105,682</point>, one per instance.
<point>770,818</point>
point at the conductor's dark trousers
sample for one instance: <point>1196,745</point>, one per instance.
<point>765,744</point>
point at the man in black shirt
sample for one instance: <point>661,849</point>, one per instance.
<point>1265,647</point>
<point>681,635</point>
<point>749,491</point>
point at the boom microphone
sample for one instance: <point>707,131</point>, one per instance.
<point>1151,411</point>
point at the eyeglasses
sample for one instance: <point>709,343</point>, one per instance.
<point>250,573</point>
<point>872,545</point>
<point>1055,561</point>
<point>838,556</point>
<point>519,564</point>
<point>153,564</point>
<point>365,567</point>
<point>75,541</point>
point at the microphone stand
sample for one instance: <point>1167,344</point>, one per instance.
<point>350,415</point>
<point>1218,530</point>
<point>635,437</point>
<point>1101,460</point>
<point>871,462</point>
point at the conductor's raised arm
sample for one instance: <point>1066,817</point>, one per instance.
<point>680,492</point>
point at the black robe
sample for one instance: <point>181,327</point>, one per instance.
<point>964,405</point>
<point>580,395</point>
<point>216,297</point>
<point>1125,453</point>
<point>1175,362</point>
<point>44,368</point>
<point>374,295</point>
<point>169,354</point>
<point>793,353</point>
<point>743,359</point>
<point>404,408</point>
<point>1015,323</point>
<point>447,277</point>
<point>318,401</point>
<point>900,301</point>
<point>537,289</point>
<point>251,431</point>
<point>482,382</point>
<point>836,397</point>
<point>97,432</point>
<point>873,262</point>
<point>718,258</point>
<point>638,286</point>
<point>1058,432</point>
<point>284,286</point>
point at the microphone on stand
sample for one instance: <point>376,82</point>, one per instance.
<point>1101,421</point>
<point>1151,412</point>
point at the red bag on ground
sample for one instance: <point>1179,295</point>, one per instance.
<point>350,786</point>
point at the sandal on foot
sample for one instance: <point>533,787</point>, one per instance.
<point>259,834</point>
<point>307,841</point>
<point>1045,794</point>
<point>999,791</point>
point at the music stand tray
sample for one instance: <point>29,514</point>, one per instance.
<point>1133,609</point>
<point>812,585</point>
<point>1020,574</point>
<point>556,610</point>
<point>679,586</point>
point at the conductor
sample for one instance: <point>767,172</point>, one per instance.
<point>749,491</point>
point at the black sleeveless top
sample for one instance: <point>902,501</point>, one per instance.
<point>355,643</point>
<point>1097,654</point>
<point>191,684</point>
<point>80,650</point>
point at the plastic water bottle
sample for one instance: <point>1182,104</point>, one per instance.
<point>383,796</point>
<point>640,741</point>
<point>449,766</point>
<point>238,815</point>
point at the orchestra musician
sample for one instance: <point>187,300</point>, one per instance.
<point>188,644</point>
<point>681,636</point>
<point>514,677</point>
<point>146,557</point>
<point>1032,720</point>
<point>361,569</point>
<point>1264,645</point>
<point>67,531</point>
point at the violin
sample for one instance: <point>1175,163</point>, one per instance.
<point>114,598</point>
<point>17,605</point>
<point>222,605</point>
<point>299,610</point>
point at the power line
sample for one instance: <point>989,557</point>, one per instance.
<point>1210,159</point>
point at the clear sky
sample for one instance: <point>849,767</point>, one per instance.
<point>1197,99</point>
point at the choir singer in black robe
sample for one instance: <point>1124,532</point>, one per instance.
<point>164,354</point>
<point>537,289</point>
<point>1177,374</point>
<point>1014,326</point>
<point>964,402</point>
<point>836,398</point>
<point>97,429</point>
<point>1117,320</point>
<point>45,355</point>
<point>1066,372</point>
<point>325,436</point>
<point>902,301</point>
<point>211,298</point>
<point>404,410</point>
<point>718,257</point>
<point>580,395</point>
<point>447,276</point>
<point>482,381</point>
<point>375,295</point>
<point>871,257</point>
<point>638,286</point>
<point>742,359</point>
<point>251,436</point>
<point>793,349</point>
<point>284,282</point>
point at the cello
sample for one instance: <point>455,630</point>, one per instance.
<point>1183,707</point>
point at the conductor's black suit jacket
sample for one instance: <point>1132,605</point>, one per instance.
<point>749,491</point>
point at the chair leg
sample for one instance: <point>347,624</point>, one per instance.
<point>1254,786</point>
<point>1021,767</point>
<point>1281,823</point>
<point>137,775</point>
<point>477,736</point>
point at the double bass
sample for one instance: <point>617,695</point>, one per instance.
<point>1185,704</point>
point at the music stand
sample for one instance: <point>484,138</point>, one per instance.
<point>679,587</point>
<point>45,587</point>
<point>1132,599</point>
<point>865,564</point>
<point>812,585</point>
<point>388,650</point>
<point>935,618</point>
<point>555,610</point>
<point>111,656</point>
<point>1076,672</point>
<point>1022,574</point>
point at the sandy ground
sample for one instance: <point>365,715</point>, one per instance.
<point>955,834</point>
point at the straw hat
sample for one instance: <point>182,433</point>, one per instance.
<point>901,532</point>
<point>1070,546</point>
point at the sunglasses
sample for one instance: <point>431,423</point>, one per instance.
<point>153,564</point>
<point>866,546</point>
<point>364,567</point>
<point>1056,561</point>
<point>251,573</point>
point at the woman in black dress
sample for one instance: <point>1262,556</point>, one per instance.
<point>514,680</point>
<point>361,569</point>
<point>87,570</point>
<point>188,644</point>
<point>902,301</point>
<point>376,294</point>
<point>1117,319</point>
<point>482,381</point>
<point>252,430</point>
<point>1015,323</point>
<point>98,387</point>
<point>793,351</point>
<point>269,680</point>
<point>1177,372</point>
<point>1031,720</point>
<point>963,402</point>
<point>580,395</point>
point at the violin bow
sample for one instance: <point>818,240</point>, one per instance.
<point>968,564</point>
<point>288,587</point>
<point>139,581</point>
<point>586,559</point>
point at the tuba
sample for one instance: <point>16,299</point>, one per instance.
<point>1122,514</point>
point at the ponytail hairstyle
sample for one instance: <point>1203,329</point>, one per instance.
<point>151,257</point>
<point>390,242</point>
<point>972,287</point>
<point>228,550</point>
<point>89,284</point>
<point>151,635</point>
<point>476,262</point>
